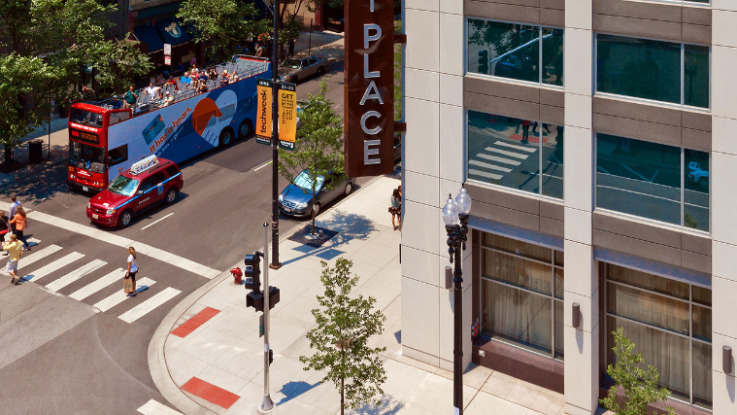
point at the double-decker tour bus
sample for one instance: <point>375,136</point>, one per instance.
<point>105,138</point>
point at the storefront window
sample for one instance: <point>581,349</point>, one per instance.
<point>511,50</point>
<point>519,154</point>
<point>666,71</point>
<point>522,295</point>
<point>655,181</point>
<point>672,332</point>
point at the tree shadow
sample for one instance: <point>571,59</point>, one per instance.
<point>387,406</point>
<point>291,390</point>
<point>350,226</point>
<point>38,182</point>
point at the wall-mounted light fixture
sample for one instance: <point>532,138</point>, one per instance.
<point>576,317</point>
<point>727,359</point>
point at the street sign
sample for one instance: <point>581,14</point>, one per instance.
<point>287,113</point>
<point>261,325</point>
<point>167,60</point>
<point>167,49</point>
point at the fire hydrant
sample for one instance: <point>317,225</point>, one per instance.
<point>237,274</point>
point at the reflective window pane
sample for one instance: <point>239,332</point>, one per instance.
<point>701,295</point>
<point>517,247</point>
<point>504,49</point>
<point>517,315</point>
<point>638,177</point>
<point>552,63</point>
<point>552,161</point>
<point>702,389</point>
<point>647,281</point>
<point>558,280</point>
<point>504,151</point>
<point>696,76</point>
<point>701,323</point>
<point>656,64</point>
<point>558,328</point>
<point>521,273</point>
<point>696,190</point>
<point>648,308</point>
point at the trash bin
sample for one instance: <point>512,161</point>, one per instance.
<point>35,151</point>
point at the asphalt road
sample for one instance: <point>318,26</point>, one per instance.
<point>67,353</point>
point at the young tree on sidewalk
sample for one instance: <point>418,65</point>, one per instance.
<point>640,385</point>
<point>318,149</point>
<point>345,324</point>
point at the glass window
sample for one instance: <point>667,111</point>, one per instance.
<point>123,185</point>
<point>511,152</point>
<point>645,179</point>
<point>663,319</point>
<point>118,155</point>
<point>522,299</point>
<point>661,67</point>
<point>511,50</point>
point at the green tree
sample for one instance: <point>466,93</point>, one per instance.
<point>344,326</point>
<point>640,385</point>
<point>221,24</point>
<point>318,149</point>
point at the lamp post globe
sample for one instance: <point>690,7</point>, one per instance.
<point>463,201</point>
<point>450,212</point>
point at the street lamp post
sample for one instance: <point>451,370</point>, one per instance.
<point>455,216</point>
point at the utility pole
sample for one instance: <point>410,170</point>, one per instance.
<point>275,264</point>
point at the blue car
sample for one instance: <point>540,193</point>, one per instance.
<point>296,198</point>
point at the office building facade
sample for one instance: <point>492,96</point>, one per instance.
<point>586,132</point>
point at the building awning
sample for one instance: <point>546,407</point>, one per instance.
<point>653,267</point>
<point>148,35</point>
<point>509,231</point>
<point>172,32</point>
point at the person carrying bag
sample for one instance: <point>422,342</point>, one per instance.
<point>129,282</point>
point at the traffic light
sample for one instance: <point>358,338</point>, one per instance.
<point>253,272</point>
<point>484,61</point>
<point>256,299</point>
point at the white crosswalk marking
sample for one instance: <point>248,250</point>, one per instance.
<point>153,407</point>
<point>120,296</point>
<point>516,147</point>
<point>98,284</point>
<point>485,174</point>
<point>489,166</point>
<point>141,309</point>
<point>48,269</point>
<point>507,153</point>
<point>499,159</point>
<point>38,255</point>
<point>75,275</point>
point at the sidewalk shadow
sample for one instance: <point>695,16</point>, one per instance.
<point>349,226</point>
<point>387,406</point>
<point>37,182</point>
<point>291,390</point>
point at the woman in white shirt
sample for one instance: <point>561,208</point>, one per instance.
<point>132,269</point>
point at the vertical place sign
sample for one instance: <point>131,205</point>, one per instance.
<point>263,111</point>
<point>369,87</point>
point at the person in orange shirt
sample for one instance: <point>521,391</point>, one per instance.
<point>20,223</point>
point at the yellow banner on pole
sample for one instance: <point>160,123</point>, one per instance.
<point>287,115</point>
<point>263,111</point>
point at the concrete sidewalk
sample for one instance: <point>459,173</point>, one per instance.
<point>221,360</point>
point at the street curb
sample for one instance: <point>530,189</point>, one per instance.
<point>156,356</point>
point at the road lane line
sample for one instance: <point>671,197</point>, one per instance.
<point>38,255</point>
<point>49,268</point>
<point>156,221</point>
<point>173,259</point>
<point>262,166</point>
<point>98,284</point>
<point>149,305</point>
<point>153,407</point>
<point>120,296</point>
<point>75,275</point>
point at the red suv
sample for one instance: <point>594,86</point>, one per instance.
<point>148,182</point>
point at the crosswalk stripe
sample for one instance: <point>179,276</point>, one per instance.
<point>98,284</point>
<point>75,275</point>
<point>484,174</point>
<point>120,296</point>
<point>488,166</point>
<point>142,309</point>
<point>517,147</point>
<point>507,153</point>
<point>499,159</point>
<point>49,268</point>
<point>153,407</point>
<point>38,255</point>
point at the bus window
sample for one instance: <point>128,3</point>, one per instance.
<point>86,154</point>
<point>84,117</point>
<point>117,117</point>
<point>118,155</point>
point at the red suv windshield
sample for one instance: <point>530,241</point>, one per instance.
<point>123,185</point>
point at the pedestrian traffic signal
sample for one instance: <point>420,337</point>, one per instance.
<point>271,356</point>
<point>253,272</point>
<point>484,61</point>
<point>256,299</point>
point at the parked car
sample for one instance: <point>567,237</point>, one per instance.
<point>148,182</point>
<point>697,174</point>
<point>296,198</point>
<point>295,70</point>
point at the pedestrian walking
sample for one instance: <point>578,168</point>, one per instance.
<point>4,229</point>
<point>525,131</point>
<point>14,249</point>
<point>21,223</point>
<point>396,209</point>
<point>130,275</point>
<point>13,210</point>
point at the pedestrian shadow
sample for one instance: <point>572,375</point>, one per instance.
<point>291,390</point>
<point>387,406</point>
<point>350,226</point>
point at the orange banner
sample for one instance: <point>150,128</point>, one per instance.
<point>263,109</point>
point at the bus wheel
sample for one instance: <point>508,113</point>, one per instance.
<point>245,130</point>
<point>226,137</point>
<point>125,219</point>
